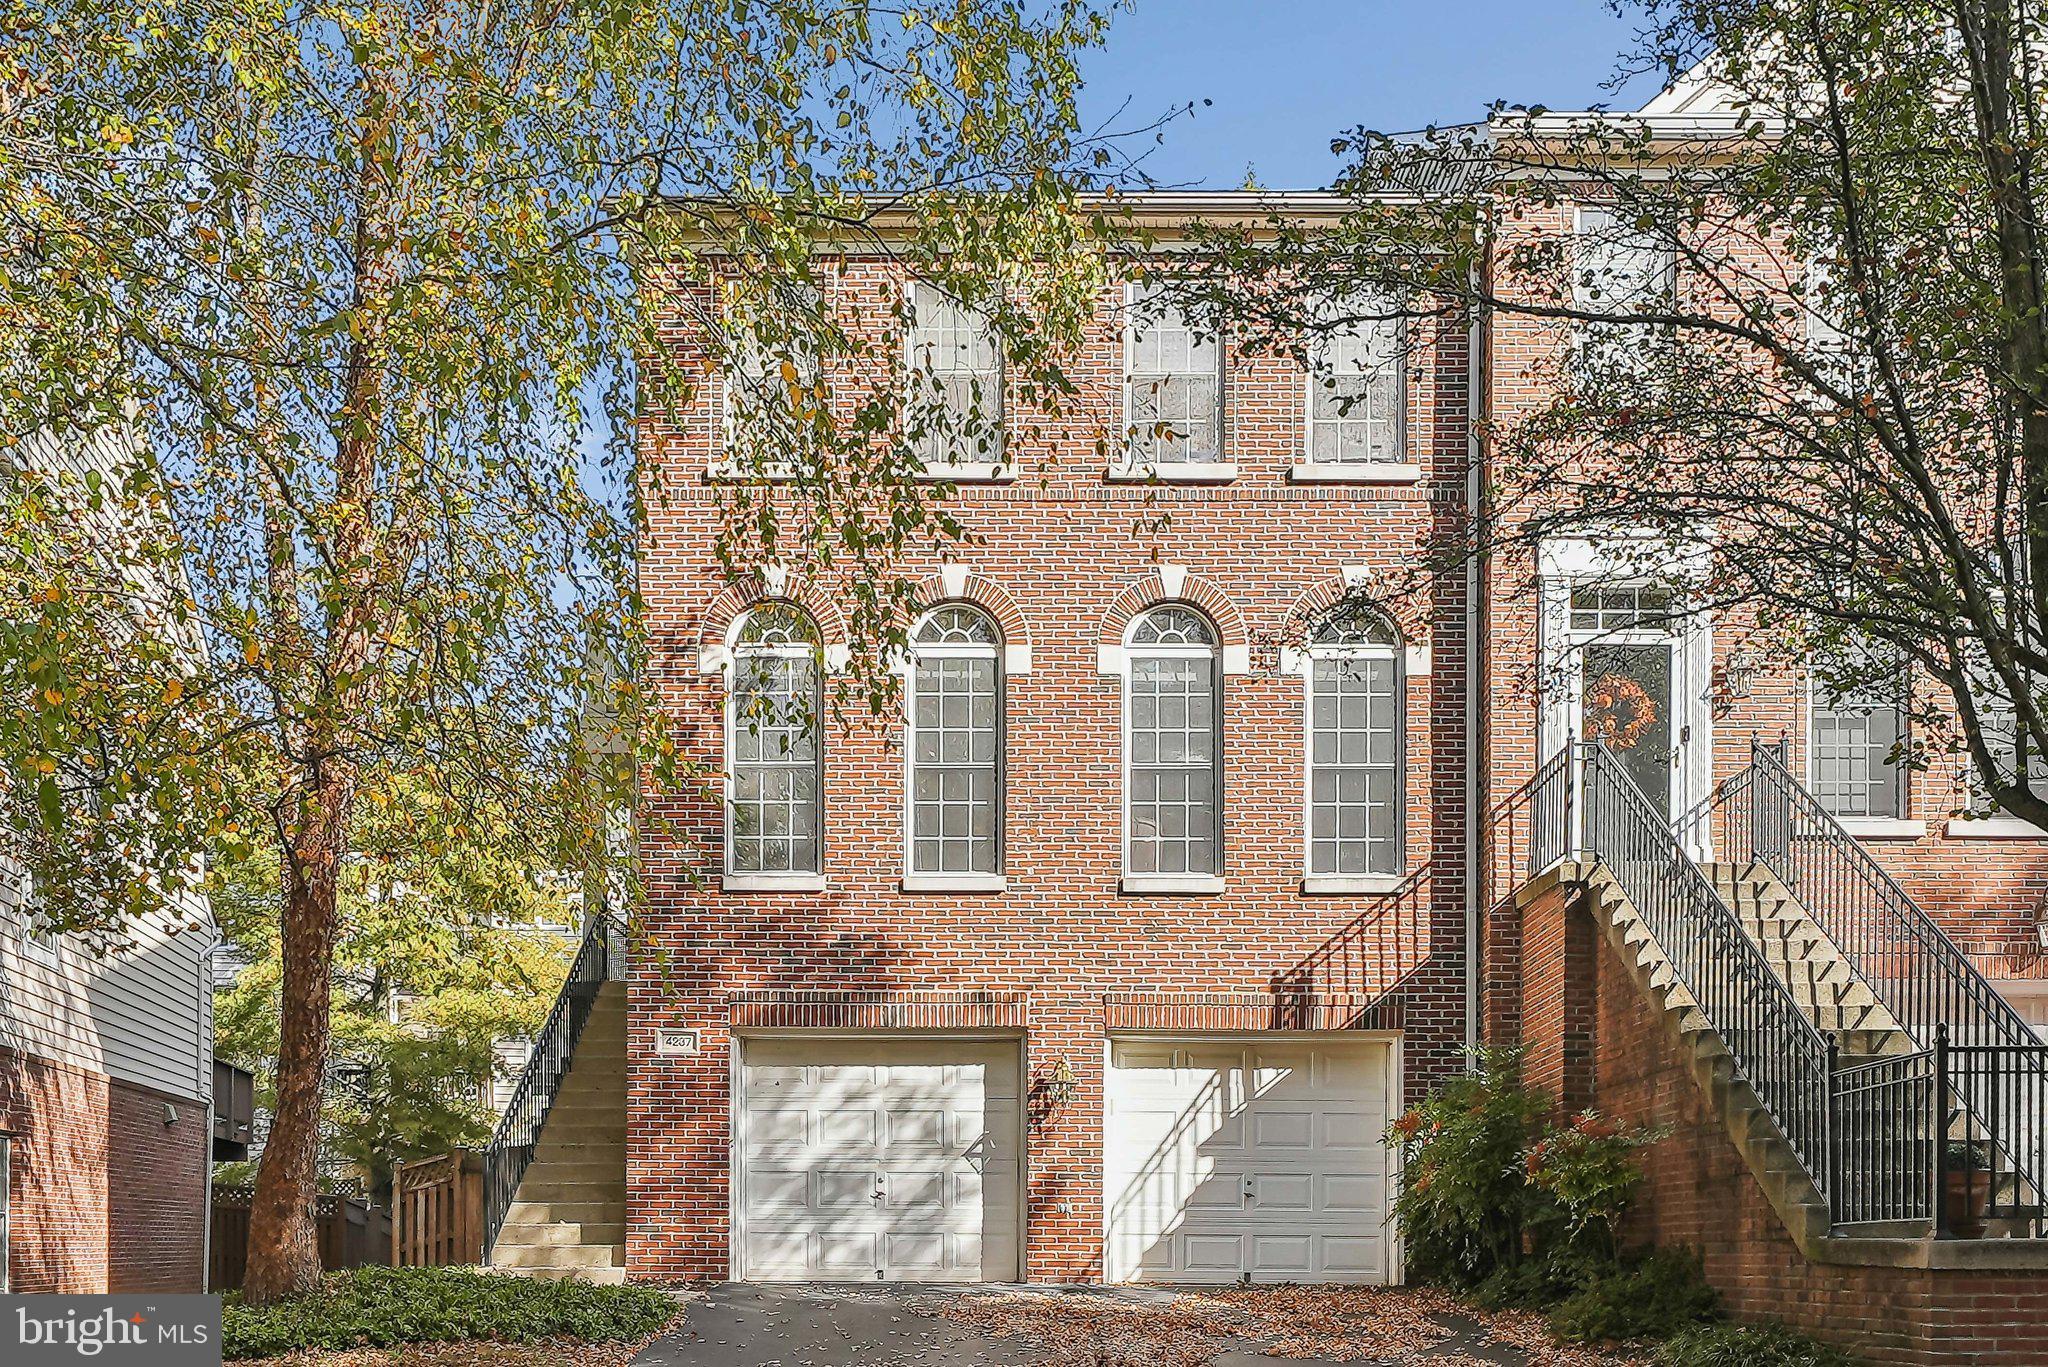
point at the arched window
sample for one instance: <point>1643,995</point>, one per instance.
<point>1354,745</point>
<point>956,744</point>
<point>774,759</point>
<point>1172,747</point>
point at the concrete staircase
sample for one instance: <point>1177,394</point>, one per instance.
<point>1821,980</point>
<point>568,1218</point>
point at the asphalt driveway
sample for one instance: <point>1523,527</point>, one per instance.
<point>751,1325</point>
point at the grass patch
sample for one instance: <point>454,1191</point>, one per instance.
<point>382,1307</point>
<point>1737,1345</point>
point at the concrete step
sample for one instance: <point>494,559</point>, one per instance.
<point>530,1257</point>
<point>580,1168</point>
<point>541,1188</point>
<point>561,1235</point>
<point>596,1276</point>
<point>582,1212</point>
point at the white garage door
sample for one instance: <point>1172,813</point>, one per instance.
<point>878,1160</point>
<point>1229,1158</point>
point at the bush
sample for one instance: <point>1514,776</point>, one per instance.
<point>1464,1197</point>
<point>1735,1345</point>
<point>1654,1297</point>
<point>381,1307</point>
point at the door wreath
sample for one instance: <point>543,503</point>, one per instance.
<point>1619,711</point>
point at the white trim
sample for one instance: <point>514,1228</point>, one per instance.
<point>1173,579</point>
<point>1882,827</point>
<point>955,882</point>
<point>1125,467</point>
<point>1191,884</point>
<point>1017,658</point>
<point>969,472</point>
<point>772,472</point>
<point>1355,472</point>
<point>1173,472</point>
<point>962,472</point>
<point>953,578</point>
<point>1992,828</point>
<point>1237,658</point>
<point>1319,884</point>
<point>1111,658</point>
<point>771,882</point>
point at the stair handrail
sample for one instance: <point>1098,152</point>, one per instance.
<point>512,1143</point>
<point>1903,955</point>
<point>1773,1045</point>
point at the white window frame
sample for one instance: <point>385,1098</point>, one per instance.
<point>1584,332</point>
<point>1128,465</point>
<point>1998,825</point>
<point>734,880</point>
<point>995,390</point>
<point>1304,662</point>
<point>914,879</point>
<point>1899,827</point>
<point>41,946</point>
<point>1198,883</point>
<point>1404,468</point>
<point>738,339</point>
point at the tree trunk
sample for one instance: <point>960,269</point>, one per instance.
<point>284,1253</point>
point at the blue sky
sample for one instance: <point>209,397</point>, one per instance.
<point>1285,75</point>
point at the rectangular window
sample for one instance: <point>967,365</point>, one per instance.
<point>1173,818</point>
<point>1173,385</point>
<point>1854,736</point>
<point>1621,607</point>
<point>771,382</point>
<point>1355,401</point>
<point>955,414</point>
<point>1354,765</point>
<point>775,766</point>
<point>955,751</point>
<point>1619,269</point>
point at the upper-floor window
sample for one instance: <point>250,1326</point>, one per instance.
<point>955,413</point>
<point>956,743</point>
<point>1355,393</point>
<point>38,940</point>
<point>1622,269</point>
<point>1354,746</point>
<point>1172,746</point>
<point>1857,731</point>
<point>775,812</point>
<point>1173,383</point>
<point>772,385</point>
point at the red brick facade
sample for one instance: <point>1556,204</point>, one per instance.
<point>1062,557</point>
<point>107,1194</point>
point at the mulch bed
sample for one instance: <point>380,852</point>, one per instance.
<point>1342,1324</point>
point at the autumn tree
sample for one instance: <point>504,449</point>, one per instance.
<point>370,286</point>
<point>1799,353</point>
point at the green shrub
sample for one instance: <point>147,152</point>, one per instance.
<point>1588,1171</point>
<point>1737,1345</point>
<point>1653,1297</point>
<point>1464,1197</point>
<point>381,1307</point>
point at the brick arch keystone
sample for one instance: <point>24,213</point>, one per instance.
<point>1173,584</point>
<point>955,583</point>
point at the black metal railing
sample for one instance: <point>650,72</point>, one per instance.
<point>1774,1046</point>
<point>1998,1069</point>
<point>1883,1128</point>
<point>512,1145</point>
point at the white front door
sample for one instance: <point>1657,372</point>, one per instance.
<point>879,1159</point>
<point>1265,1160</point>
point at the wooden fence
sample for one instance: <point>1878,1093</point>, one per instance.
<point>351,1233</point>
<point>437,1211</point>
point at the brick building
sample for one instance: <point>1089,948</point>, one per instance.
<point>1191,862</point>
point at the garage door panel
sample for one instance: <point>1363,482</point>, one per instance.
<point>884,1159</point>
<point>1268,1160</point>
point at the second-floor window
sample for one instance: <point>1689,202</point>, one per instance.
<point>955,412</point>
<point>956,743</point>
<point>775,813</point>
<point>1354,746</point>
<point>1355,394</point>
<point>1172,746</point>
<point>1855,738</point>
<point>1173,383</point>
<point>772,386</point>
<point>1620,269</point>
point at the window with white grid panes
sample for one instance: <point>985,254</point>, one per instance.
<point>956,411</point>
<point>1853,736</point>
<point>774,815</point>
<point>1354,745</point>
<point>1355,393</point>
<point>1624,270</point>
<point>1625,606</point>
<point>1172,745</point>
<point>1173,384</point>
<point>771,373</point>
<point>956,743</point>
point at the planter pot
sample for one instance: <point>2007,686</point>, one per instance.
<point>1965,1202</point>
